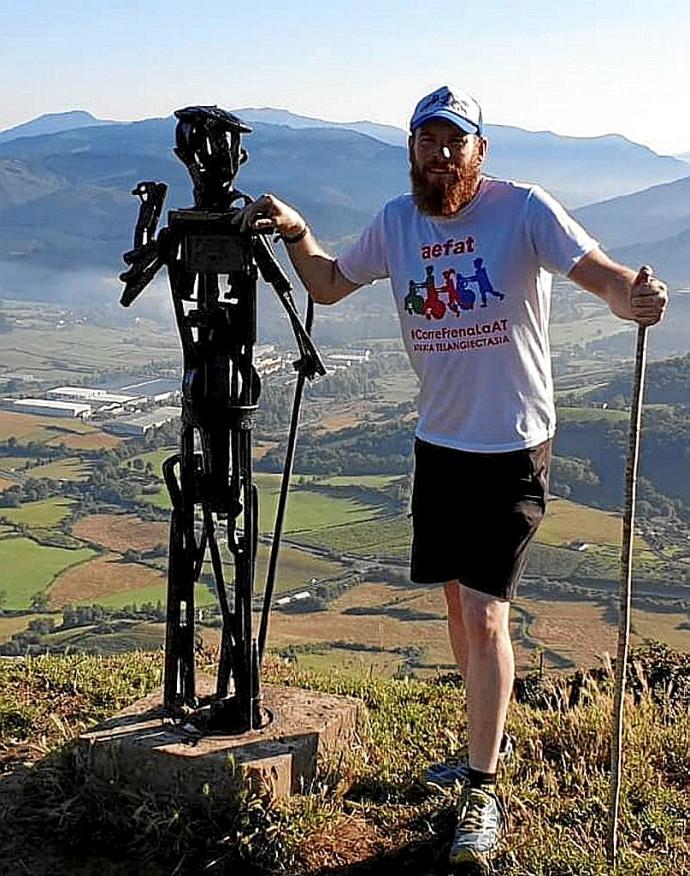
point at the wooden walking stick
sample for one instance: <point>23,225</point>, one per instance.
<point>625,586</point>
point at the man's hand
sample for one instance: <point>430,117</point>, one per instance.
<point>267,213</point>
<point>317,270</point>
<point>648,298</point>
<point>641,298</point>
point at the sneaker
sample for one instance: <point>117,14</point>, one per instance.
<point>476,834</point>
<point>447,775</point>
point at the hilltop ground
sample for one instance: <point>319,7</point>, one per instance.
<point>371,813</point>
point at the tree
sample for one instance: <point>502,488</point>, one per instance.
<point>40,601</point>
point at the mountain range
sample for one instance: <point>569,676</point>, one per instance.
<point>65,181</point>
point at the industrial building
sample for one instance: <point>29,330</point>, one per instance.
<point>155,390</point>
<point>140,424</point>
<point>352,357</point>
<point>48,407</point>
<point>87,394</point>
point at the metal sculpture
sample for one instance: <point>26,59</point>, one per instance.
<point>210,479</point>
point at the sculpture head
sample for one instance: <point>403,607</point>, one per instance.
<point>208,143</point>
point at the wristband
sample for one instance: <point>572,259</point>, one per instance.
<point>296,237</point>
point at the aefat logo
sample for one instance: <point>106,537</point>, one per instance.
<point>449,247</point>
<point>459,292</point>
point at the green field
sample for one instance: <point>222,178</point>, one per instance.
<point>44,514</point>
<point>15,463</point>
<point>156,458</point>
<point>587,414</point>
<point>11,625</point>
<point>592,327</point>
<point>154,594</point>
<point>377,482</point>
<point>136,637</point>
<point>296,569</point>
<point>567,521</point>
<point>70,469</point>
<point>306,510</point>
<point>28,567</point>
<point>66,353</point>
<point>389,537</point>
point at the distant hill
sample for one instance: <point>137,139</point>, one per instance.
<point>576,169</point>
<point>65,202</point>
<point>52,123</point>
<point>386,133</point>
<point>669,257</point>
<point>653,214</point>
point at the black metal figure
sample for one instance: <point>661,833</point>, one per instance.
<point>211,476</point>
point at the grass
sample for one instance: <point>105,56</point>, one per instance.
<point>107,576</point>
<point>152,593</point>
<point>307,510</point>
<point>121,532</point>
<point>29,568</point>
<point>70,469</point>
<point>11,625</point>
<point>369,813</point>
<point>74,351</point>
<point>53,430</point>
<point>45,513</point>
<point>388,537</point>
<point>567,521</point>
<point>580,415</point>
<point>156,458</point>
<point>375,481</point>
<point>15,463</point>
<point>136,637</point>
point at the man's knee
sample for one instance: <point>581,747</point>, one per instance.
<point>485,617</point>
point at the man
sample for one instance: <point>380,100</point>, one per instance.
<point>486,410</point>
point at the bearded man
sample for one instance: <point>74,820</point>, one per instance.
<point>486,409</point>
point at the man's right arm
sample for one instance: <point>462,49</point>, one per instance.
<point>316,269</point>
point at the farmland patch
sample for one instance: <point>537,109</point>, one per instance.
<point>70,469</point>
<point>44,513</point>
<point>29,567</point>
<point>121,532</point>
<point>102,577</point>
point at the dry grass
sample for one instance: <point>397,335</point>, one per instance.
<point>121,532</point>
<point>73,433</point>
<point>102,577</point>
<point>342,416</point>
<point>371,813</point>
<point>90,441</point>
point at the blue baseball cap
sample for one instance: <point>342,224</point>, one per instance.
<point>453,105</point>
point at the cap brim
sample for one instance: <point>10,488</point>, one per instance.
<point>466,126</point>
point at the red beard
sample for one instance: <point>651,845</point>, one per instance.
<point>444,196</point>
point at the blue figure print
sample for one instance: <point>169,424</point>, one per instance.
<point>481,278</point>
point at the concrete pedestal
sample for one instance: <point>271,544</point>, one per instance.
<point>141,747</point>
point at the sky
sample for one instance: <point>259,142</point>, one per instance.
<point>582,68</point>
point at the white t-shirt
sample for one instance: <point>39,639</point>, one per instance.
<point>473,295</point>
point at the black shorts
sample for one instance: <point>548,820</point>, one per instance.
<point>474,514</point>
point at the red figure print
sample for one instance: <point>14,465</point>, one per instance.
<point>433,306</point>
<point>453,297</point>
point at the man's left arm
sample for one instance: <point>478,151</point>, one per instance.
<point>637,296</point>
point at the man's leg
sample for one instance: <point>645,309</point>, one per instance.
<point>456,626</point>
<point>490,674</point>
